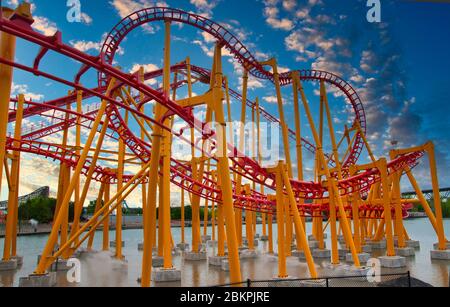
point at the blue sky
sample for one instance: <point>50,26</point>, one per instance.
<point>399,66</point>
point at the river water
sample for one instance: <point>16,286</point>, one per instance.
<point>99,270</point>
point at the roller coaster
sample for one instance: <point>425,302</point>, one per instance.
<point>361,203</point>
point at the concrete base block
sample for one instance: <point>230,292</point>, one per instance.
<point>363,257</point>
<point>190,256</point>
<point>436,246</point>
<point>60,265</point>
<point>318,283</point>
<point>216,260</point>
<point>158,262</point>
<point>38,281</point>
<point>301,256</point>
<point>321,253</point>
<point>338,270</point>
<point>378,244</point>
<point>19,260</point>
<point>343,253</point>
<point>313,245</point>
<point>296,253</point>
<point>248,254</point>
<point>120,265</point>
<point>225,265</point>
<point>264,238</point>
<point>357,272</point>
<point>282,282</point>
<point>312,238</point>
<point>413,244</point>
<point>166,275</point>
<point>392,262</point>
<point>405,252</point>
<point>113,244</point>
<point>366,248</point>
<point>440,255</point>
<point>9,265</point>
<point>183,246</point>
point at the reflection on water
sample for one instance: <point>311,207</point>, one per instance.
<point>100,270</point>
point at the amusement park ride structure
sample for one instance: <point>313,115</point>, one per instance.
<point>362,203</point>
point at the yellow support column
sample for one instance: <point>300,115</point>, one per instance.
<point>7,52</point>
<point>224,170</point>
<point>106,218</point>
<point>13,196</point>
<point>442,244</point>
<point>282,272</point>
<point>120,173</point>
<point>382,166</point>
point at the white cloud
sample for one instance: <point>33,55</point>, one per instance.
<point>86,19</point>
<point>271,14</point>
<point>44,25</point>
<point>23,89</point>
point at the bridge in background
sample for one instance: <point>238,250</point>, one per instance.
<point>444,193</point>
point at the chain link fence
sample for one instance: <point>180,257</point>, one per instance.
<point>387,280</point>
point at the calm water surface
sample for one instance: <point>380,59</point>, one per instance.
<point>99,270</point>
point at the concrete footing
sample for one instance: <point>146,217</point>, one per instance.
<point>436,246</point>
<point>19,260</point>
<point>363,257</point>
<point>297,253</point>
<point>282,282</point>
<point>413,244</point>
<point>9,265</point>
<point>38,281</point>
<point>59,265</point>
<point>343,253</point>
<point>405,252</point>
<point>301,255</point>
<point>378,244</point>
<point>392,261</point>
<point>183,246</point>
<point>216,260</point>
<point>166,275</point>
<point>158,262</point>
<point>191,256</point>
<point>248,254</point>
<point>113,244</point>
<point>321,253</point>
<point>312,238</point>
<point>313,245</point>
<point>318,283</point>
<point>366,249</point>
<point>225,265</point>
<point>440,255</point>
<point>353,271</point>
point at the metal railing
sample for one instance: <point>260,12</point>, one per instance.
<point>385,280</point>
